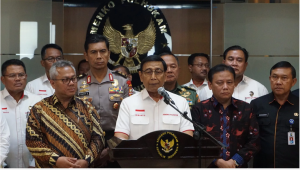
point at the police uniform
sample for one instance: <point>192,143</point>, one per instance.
<point>188,93</point>
<point>278,131</point>
<point>106,96</point>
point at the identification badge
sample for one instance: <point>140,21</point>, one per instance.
<point>291,138</point>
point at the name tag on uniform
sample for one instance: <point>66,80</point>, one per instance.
<point>263,115</point>
<point>291,138</point>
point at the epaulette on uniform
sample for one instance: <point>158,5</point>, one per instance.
<point>189,88</point>
<point>81,76</point>
<point>120,73</point>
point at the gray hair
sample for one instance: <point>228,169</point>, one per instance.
<point>59,64</point>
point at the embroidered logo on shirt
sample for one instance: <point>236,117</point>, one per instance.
<point>170,114</point>
<point>251,93</point>
<point>5,110</point>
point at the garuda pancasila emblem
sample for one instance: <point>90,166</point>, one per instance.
<point>166,145</point>
<point>129,45</point>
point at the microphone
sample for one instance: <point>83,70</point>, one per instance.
<point>163,92</point>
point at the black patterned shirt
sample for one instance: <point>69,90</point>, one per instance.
<point>235,126</point>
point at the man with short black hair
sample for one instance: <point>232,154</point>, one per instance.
<point>171,82</point>
<point>83,67</point>
<point>50,54</point>
<point>124,70</point>
<point>227,119</point>
<point>246,89</point>
<point>278,117</point>
<point>199,67</point>
<point>146,111</point>
<point>63,131</point>
<point>16,103</point>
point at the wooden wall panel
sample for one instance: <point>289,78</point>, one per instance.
<point>190,30</point>
<point>58,21</point>
<point>75,27</point>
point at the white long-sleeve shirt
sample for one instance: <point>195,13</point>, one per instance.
<point>4,139</point>
<point>16,114</point>
<point>249,89</point>
<point>40,86</point>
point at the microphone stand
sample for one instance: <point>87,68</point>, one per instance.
<point>199,131</point>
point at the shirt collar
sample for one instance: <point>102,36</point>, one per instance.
<point>6,94</point>
<point>291,100</point>
<point>145,94</point>
<point>215,101</point>
<point>105,79</point>
<point>45,78</point>
<point>244,79</point>
<point>55,101</point>
<point>204,82</point>
<point>177,86</point>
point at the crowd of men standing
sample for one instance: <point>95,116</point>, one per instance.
<point>64,120</point>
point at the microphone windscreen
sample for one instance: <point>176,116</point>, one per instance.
<point>160,90</point>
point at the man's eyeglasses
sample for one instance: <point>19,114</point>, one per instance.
<point>52,59</point>
<point>201,65</point>
<point>150,72</point>
<point>68,80</point>
<point>15,75</point>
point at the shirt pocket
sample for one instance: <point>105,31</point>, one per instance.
<point>171,119</point>
<point>263,121</point>
<point>139,120</point>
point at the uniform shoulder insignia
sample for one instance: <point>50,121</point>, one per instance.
<point>120,73</point>
<point>81,76</point>
<point>189,88</point>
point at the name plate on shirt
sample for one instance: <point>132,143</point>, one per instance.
<point>84,94</point>
<point>263,115</point>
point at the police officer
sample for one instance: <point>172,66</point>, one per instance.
<point>278,118</point>
<point>103,87</point>
<point>171,81</point>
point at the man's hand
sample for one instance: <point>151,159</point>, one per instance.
<point>225,164</point>
<point>66,162</point>
<point>82,163</point>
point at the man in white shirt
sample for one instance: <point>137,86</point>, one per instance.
<point>41,86</point>
<point>15,106</point>
<point>246,89</point>
<point>199,67</point>
<point>146,111</point>
<point>4,139</point>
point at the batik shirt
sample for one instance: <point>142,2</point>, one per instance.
<point>53,131</point>
<point>235,126</point>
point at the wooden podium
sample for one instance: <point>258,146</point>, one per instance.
<point>162,149</point>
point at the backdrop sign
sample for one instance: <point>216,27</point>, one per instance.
<point>135,29</point>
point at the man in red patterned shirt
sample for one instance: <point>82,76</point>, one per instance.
<point>227,119</point>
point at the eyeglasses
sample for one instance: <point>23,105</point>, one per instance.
<point>52,59</point>
<point>150,72</point>
<point>68,80</point>
<point>15,75</point>
<point>201,65</point>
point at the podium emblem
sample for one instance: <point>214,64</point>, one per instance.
<point>167,145</point>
